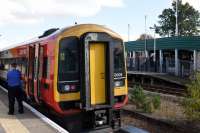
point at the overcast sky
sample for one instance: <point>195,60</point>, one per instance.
<point>21,20</point>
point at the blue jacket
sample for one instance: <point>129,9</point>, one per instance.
<point>14,78</point>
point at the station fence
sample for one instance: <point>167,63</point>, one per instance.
<point>142,64</point>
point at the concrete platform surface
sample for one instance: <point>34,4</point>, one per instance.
<point>20,123</point>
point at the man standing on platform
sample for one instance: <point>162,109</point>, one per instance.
<point>14,89</point>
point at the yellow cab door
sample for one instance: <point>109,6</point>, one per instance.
<point>97,73</point>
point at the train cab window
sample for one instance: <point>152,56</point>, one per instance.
<point>119,65</point>
<point>68,59</point>
<point>119,58</point>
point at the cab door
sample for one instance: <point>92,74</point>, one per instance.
<point>97,73</point>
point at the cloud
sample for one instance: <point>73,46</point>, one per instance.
<point>33,11</point>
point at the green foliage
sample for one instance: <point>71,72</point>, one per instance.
<point>156,101</point>
<point>188,20</point>
<point>143,102</point>
<point>148,106</point>
<point>138,96</point>
<point>143,36</point>
<point>191,102</point>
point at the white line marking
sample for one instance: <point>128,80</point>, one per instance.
<point>41,116</point>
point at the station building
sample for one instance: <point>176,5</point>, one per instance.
<point>178,56</point>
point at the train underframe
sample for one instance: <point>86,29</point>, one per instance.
<point>92,120</point>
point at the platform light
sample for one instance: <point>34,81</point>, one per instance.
<point>154,45</point>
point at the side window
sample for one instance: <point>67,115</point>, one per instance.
<point>46,67</point>
<point>35,67</point>
<point>41,61</point>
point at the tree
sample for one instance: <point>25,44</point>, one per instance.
<point>142,37</point>
<point>188,20</point>
<point>191,102</point>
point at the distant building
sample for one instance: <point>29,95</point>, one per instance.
<point>179,56</point>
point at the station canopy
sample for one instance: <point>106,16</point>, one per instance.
<point>181,43</point>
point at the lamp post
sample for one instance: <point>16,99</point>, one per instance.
<point>145,43</point>
<point>128,32</point>
<point>154,45</point>
<point>177,17</point>
<point>145,39</point>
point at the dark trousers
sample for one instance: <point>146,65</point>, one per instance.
<point>15,92</point>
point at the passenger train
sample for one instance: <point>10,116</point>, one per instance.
<point>78,73</point>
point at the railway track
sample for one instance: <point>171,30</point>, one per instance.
<point>177,91</point>
<point>154,125</point>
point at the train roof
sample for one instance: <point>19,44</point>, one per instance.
<point>77,30</point>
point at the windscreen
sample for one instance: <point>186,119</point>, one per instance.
<point>119,64</point>
<point>68,59</point>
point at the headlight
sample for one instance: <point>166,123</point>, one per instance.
<point>67,88</point>
<point>119,83</point>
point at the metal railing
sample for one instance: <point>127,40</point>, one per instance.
<point>185,67</point>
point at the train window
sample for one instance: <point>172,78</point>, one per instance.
<point>119,58</point>
<point>2,66</point>
<point>35,68</point>
<point>68,59</point>
<point>46,67</point>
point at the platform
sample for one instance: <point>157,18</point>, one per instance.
<point>21,123</point>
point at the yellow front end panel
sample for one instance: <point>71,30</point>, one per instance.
<point>119,91</point>
<point>97,73</point>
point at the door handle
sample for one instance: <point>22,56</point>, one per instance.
<point>102,75</point>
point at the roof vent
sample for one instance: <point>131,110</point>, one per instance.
<point>48,32</point>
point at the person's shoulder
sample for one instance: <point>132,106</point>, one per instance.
<point>16,70</point>
<point>9,72</point>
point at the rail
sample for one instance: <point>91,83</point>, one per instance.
<point>161,89</point>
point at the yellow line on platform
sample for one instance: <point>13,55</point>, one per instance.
<point>10,123</point>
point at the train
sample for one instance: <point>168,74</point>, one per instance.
<point>78,73</point>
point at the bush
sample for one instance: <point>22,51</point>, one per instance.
<point>191,102</point>
<point>147,103</point>
<point>137,96</point>
<point>148,106</point>
<point>156,101</point>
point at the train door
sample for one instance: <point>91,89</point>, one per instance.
<point>97,73</point>
<point>38,63</point>
<point>40,69</point>
<point>31,56</point>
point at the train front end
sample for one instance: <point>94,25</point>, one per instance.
<point>91,75</point>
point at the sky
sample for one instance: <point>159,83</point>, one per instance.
<point>22,20</point>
